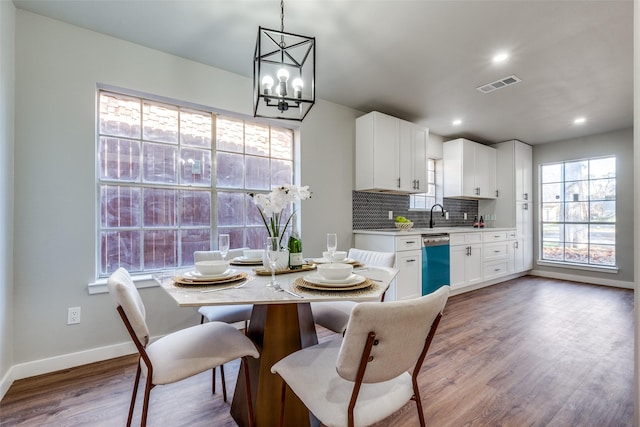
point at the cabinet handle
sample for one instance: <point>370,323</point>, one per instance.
<point>517,245</point>
<point>496,269</point>
<point>411,260</point>
<point>525,206</point>
<point>417,184</point>
<point>398,182</point>
<point>477,191</point>
<point>496,252</point>
<point>526,196</point>
<point>497,193</point>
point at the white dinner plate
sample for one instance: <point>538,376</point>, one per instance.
<point>316,279</point>
<point>327,261</point>
<point>196,275</point>
<point>245,259</point>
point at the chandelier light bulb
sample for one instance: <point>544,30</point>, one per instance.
<point>297,87</point>
<point>283,75</point>
<point>267,84</point>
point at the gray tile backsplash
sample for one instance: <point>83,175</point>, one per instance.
<point>371,210</point>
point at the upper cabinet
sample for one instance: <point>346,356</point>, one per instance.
<point>469,170</point>
<point>391,154</point>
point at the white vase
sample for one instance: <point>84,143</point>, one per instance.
<point>281,264</point>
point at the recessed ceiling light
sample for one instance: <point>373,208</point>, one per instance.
<point>456,122</point>
<point>579,121</point>
<point>500,57</point>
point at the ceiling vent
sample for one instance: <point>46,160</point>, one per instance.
<point>499,84</point>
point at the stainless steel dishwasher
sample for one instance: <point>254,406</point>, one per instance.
<point>435,262</point>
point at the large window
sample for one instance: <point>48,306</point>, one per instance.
<point>424,201</point>
<point>578,212</point>
<point>170,179</point>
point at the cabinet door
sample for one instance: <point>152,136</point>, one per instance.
<point>386,137</point>
<point>419,158</point>
<point>413,157</point>
<point>473,265</point>
<point>469,184</point>
<point>457,258</point>
<point>409,278</point>
<point>523,171</point>
<point>485,167</point>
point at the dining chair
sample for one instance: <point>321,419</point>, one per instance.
<point>335,315</point>
<point>178,355</point>
<point>363,377</point>
<point>223,313</point>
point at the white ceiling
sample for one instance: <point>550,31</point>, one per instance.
<point>420,60</point>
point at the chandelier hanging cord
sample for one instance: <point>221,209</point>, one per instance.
<point>282,43</point>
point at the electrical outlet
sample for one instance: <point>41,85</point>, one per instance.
<point>390,214</point>
<point>465,215</point>
<point>73,315</point>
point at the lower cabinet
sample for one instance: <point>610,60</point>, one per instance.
<point>408,251</point>
<point>466,259</point>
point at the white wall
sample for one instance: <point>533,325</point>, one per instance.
<point>7,75</point>
<point>620,144</point>
<point>57,69</point>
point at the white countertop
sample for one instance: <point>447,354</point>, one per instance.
<point>421,231</point>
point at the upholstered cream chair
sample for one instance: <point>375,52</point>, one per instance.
<point>222,313</point>
<point>178,355</point>
<point>362,378</point>
<point>335,315</point>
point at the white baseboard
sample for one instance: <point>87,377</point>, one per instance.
<point>469,288</point>
<point>65,361</point>
<point>583,279</point>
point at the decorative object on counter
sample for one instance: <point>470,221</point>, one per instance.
<point>403,223</point>
<point>481,223</point>
<point>271,207</point>
<point>475,221</point>
<point>284,56</point>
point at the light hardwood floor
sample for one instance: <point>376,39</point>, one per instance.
<point>528,352</point>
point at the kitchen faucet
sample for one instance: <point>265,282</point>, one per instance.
<point>431,216</point>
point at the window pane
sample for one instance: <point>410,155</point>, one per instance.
<point>552,192</point>
<point>576,191</point>
<point>553,251</point>
<point>553,212</point>
<point>551,173</point>
<point>603,211</point>
<point>256,237</point>
<point>576,253</point>
<point>160,249</point>
<point>282,143</point>
<point>553,232</point>
<point>196,208</point>
<point>119,159</point>
<point>230,170</point>
<point>195,129</point>
<point>229,134</point>
<point>160,123</point>
<point>602,234</point>
<point>602,168</point>
<point>602,254</point>
<point>119,206</point>
<point>576,171</point>
<point>281,172</point>
<point>602,189</point>
<point>257,139</point>
<point>253,215</point>
<point>119,249</point>
<point>160,163</point>
<point>230,209</point>
<point>119,115</point>
<point>196,167</point>
<point>257,173</point>
<point>194,240</point>
<point>576,233</point>
<point>236,236</point>
<point>577,212</point>
<point>160,207</point>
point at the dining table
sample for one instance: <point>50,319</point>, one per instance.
<point>281,323</point>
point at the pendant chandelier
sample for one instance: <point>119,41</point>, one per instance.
<point>284,68</point>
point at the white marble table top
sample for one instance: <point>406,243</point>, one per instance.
<point>255,290</point>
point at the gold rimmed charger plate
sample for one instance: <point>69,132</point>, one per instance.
<point>201,282</point>
<point>304,284</point>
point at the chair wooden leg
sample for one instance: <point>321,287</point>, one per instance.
<point>247,380</point>
<point>201,320</point>
<point>134,394</point>
<point>224,383</point>
<point>145,402</point>
<point>416,397</point>
<point>213,381</point>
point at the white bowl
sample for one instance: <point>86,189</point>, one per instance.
<point>253,253</point>
<point>337,255</point>
<point>212,267</point>
<point>335,271</point>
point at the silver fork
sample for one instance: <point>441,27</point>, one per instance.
<point>279,288</point>
<point>239,285</point>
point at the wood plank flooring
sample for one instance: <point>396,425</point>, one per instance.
<point>527,352</point>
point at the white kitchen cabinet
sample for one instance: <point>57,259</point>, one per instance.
<point>497,254</point>
<point>513,207</point>
<point>391,154</point>
<point>466,259</point>
<point>469,170</point>
<point>408,251</point>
